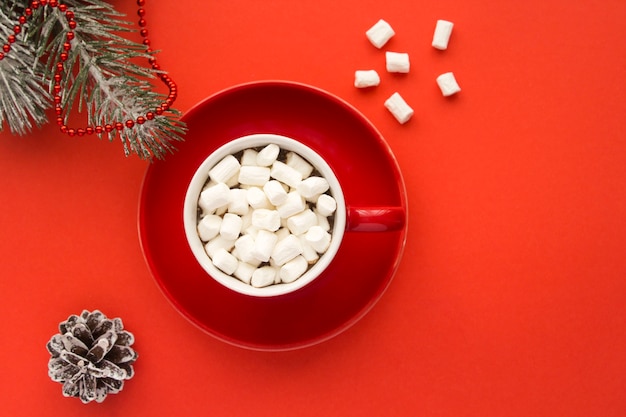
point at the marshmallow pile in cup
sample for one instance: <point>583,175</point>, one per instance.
<point>266,215</point>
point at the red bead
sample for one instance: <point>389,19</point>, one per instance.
<point>141,3</point>
<point>67,46</point>
<point>130,124</point>
<point>141,120</point>
<point>149,115</point>
<point>58,110</point>
<point>147,43</point>
<point>108,128</point>
<point>63,56</point>
<point>60,121</point>
<point>57,89</point>
<point>62,7</point>
<point>89,130</point>
<point>71,132</point>
<point>22,20</point>
<point>43,2</point>
<point>1,56</point>
<point>142,22</point>
<point>158,110</point>
<point>57,99</point>
<point>119,126</point>
<point>34,5</point>
<point>80,132</point>
<point>17,29</point>
<point>11,39</point>
<point>53,3</point>
<point>28,11</point>
<point>72,24</point>
<point>64,128</point>
<point>57,78</point>
<point>99,129</point>
<point>60,67</point>
<point>6,47</point>
<point>69,15</point>
<point>143,32</point>
<point>141,12</point>
<point>70,36</point>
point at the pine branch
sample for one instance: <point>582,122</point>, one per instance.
<point>105,74</point>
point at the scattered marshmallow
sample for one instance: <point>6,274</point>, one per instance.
<point>225,169</point>
<point>443,30</point>
<point>399,108</point>
<point>366,78</point>
<point>397,62</point>
<point>380,33</point>
<point>448,85</point>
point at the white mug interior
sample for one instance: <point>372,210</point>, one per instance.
<point>190,213</point>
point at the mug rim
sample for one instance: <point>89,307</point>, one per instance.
<point>201,176</point>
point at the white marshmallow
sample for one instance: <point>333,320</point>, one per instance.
<point>326,205</point>
<point>448,85</point>
<point>231,226</point>
<point>248,157</point>
<point>246,220</point>
<point>312,187</point>
<point>318,238</point>
<point>366,78</point>
<point>308,252</point>
<point>275,192</point>
<point>264,276</point>
<point>282,233</point>
<point>298,163</point>
<point>225,169</point>
<point>294,204</point>
<point>257,198</point>
<point>265,219</point>
<point>233,181</point>
<point>322,221</point>
<point>244,272</point>
<point>225,261</point>
<point>302,222</point>
<point>286,174</point>
<point>214,197</point>
<point>209,227</point>
<point>217,243</point>
<point>399,108</point>
<point>397,62</point>
<point>254,175</point>
<point>443,30</point>
<point>264,245</point>
<point>286,250</point>
<point>238,201</point>
<point>267,156</point>
<point>380,33</point>
<point>293,269</point>
<point>245,248</point>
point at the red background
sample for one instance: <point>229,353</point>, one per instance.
<point>511,296</point>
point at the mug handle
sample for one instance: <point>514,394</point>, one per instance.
<point>375,219</point>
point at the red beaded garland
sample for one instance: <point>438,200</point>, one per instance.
<point>64,56</point>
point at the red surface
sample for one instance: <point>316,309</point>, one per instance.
<point>510,299</point>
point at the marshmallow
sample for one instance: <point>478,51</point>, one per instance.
<point>267,156</point>
<point>308,252</point>
<point>380,33</point>
<point>326,205</point>
<point>209,227</point>
<point>302,222</point>
<point>225,261</point>
<point>318,238</point>
<point>248,157</point>
<point>214,197</point>
<point>225,169</point>
<point>293,269</point>
<point>264,245</point>
<point>294,204</point>
<point>244,272</point>
<point>257,198</point>
<point>399,108</point>
<point>231,226</point>
<point>397,62</point>
<point>282,233</point>
<point>254,175</point>
<point>275,192</point>
<point>443,30</point>
<point>238,201</point>
<point>217,243</point>
<point>312,187</point>
<point>298,163</point>
<point>265,219</point>
<point>448,85</point>
<point>286,174</point>
<point>264,276</point>
<point>286,250</point>
<point>366,78</point>
<point>245,248</point>
<point>322,221</point>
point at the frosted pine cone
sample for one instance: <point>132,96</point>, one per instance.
<point>91,356</point>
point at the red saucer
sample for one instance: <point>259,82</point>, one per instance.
<point>366,261</point>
